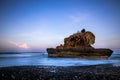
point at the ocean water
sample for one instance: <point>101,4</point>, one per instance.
<point>22,59</point>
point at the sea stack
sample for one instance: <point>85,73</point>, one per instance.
<point>79,45</point>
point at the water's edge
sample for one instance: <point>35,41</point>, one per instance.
<point>24,59</point>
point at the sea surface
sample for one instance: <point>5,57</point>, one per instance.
<point>22,59</point>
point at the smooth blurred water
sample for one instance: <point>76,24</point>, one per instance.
<point>21,59</point>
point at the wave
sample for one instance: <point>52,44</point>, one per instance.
<point>21,55</point>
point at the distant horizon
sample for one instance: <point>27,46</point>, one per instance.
<point>21,52</point>
<point>45,51</point>
<point>34,25</point>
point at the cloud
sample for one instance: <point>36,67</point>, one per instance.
<point>77,18</point>
<point>20,45</point>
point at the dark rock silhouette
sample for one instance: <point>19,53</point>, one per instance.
<point>79,45</point>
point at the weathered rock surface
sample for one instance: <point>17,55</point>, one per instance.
<point>79,45</point>
<point>78,40</point>
<point>81,53</point>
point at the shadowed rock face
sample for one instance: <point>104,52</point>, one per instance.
<point>79,45</point>
<point>88,53</point>
<point>78,40</point>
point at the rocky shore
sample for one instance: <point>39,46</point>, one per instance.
<point>94,72</point>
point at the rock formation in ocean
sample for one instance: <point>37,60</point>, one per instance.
<point>79,45</point>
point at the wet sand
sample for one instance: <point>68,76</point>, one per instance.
<point>94,72</point>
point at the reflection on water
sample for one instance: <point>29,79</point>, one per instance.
<point>42,59</point>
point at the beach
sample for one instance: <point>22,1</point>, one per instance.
<point>93,72</point>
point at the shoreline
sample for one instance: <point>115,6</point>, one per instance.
<point>93,72</point>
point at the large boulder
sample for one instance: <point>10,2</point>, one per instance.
<point>79,40</point>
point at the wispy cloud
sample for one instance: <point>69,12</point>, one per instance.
<point>20,45</point>
<point>77,18</point>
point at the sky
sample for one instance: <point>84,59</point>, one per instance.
<point>34,25</point>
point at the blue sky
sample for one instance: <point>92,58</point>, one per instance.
<point>34,25</point>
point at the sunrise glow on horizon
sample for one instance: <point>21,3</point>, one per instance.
<point>34,25</point>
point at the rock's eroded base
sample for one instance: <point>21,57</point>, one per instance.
<point>81,53</point>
